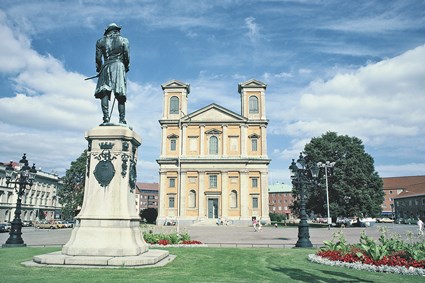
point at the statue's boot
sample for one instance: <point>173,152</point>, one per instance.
<point>121,110</point>
<point>105,108</point>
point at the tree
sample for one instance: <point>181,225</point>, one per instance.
<point>355,188</point>
<point>72,193</point>
<point>150,214</point>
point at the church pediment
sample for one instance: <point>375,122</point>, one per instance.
<point>214,113</point>
<point>175,84</point>
<point>213,132</point>
<point>251,84</point>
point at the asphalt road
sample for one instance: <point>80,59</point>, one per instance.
<point>231,235</point>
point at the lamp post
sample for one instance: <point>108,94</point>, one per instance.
<point>327,165</point>
<point>20,179</point>
<point>300,177</point>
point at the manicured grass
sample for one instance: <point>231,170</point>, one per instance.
<point>196,265</point>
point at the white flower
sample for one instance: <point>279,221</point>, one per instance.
<point>360,266</point>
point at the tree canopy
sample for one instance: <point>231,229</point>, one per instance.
<point>150,214</point>
<point>355,188</point>
<point>72,193</point>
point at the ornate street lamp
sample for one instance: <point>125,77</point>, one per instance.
<point>20,179</point>
<point>327,165</point>
<point>300,176</point>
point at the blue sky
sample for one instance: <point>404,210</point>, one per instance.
<point>354,67</point>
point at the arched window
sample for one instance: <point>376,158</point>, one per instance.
<point>233,199</point>
<point>213,145</point>
<point>174,105</point>
<point>192,199</point>
<point>254,144</point>
<point>253,104</point>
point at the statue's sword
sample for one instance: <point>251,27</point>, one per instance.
<point>90,78</point>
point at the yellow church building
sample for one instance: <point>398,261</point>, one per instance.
<point>213,162</point>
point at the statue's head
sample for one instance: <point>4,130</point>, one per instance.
<point>112,27</point>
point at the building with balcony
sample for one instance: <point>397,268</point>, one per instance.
<point>39,202</point>
<point>147,196</point>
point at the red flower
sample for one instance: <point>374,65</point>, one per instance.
<point>395,259</point>
<point>163,242</point>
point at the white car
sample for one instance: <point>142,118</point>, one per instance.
<point>385,220</point>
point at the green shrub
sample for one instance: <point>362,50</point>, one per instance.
<point>173,238</point>
<point>377,250</point>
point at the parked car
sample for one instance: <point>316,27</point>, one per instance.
<point>385,220</point>
<point>3,228</point>
<point>346,221</point>
<point>367,221</point>
<point>69,224</point>
<point>60,224</point>
<point>46,225</point>
<point>8,226</point>
<point>26,223</point>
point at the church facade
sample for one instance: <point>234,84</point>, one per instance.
<point>213,162</point>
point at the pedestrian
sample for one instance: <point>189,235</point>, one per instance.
<point>260,227</point>
<point>420,227</point>
<point>254,224</point>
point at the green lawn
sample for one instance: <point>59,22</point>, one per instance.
<point>197,265</point>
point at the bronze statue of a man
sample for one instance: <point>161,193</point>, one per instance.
<point>114,50</point>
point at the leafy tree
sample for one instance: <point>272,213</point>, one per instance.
<point>150,214</point>
<point>72,192</point>
<point>277,217</point>
<point>355,188</point>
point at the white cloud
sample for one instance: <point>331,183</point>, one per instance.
<point>380,23</point>
<point>51,108</point>
<point>381,103</point>
<point>252,27</point>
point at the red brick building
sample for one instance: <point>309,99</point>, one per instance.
<point>403,187</point>
<point>280,198</point>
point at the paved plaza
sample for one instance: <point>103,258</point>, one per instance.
<point>230,236</point>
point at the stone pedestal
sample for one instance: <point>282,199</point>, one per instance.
<point>107,228</point>
<point>108,223</point>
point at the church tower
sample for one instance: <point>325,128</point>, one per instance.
<point>253,101</point>
<point>175,100</point>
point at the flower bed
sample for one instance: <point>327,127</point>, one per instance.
<point>389,254</point>
<point>368,267</point>
<point>173,240</point>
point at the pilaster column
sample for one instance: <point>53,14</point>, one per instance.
<point>201,194</point>
<point>202,140</point>
<point>183,139</point>
<point>224,194</point>
<point>162,195</point>
<point>244,194</point>
<point>264,195</point>
<point>243,139</point>
<point>164,140</point>
<point>263,141</point>
<point>263,105</point>
<point>182,196</point>
<point>224,143</point>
